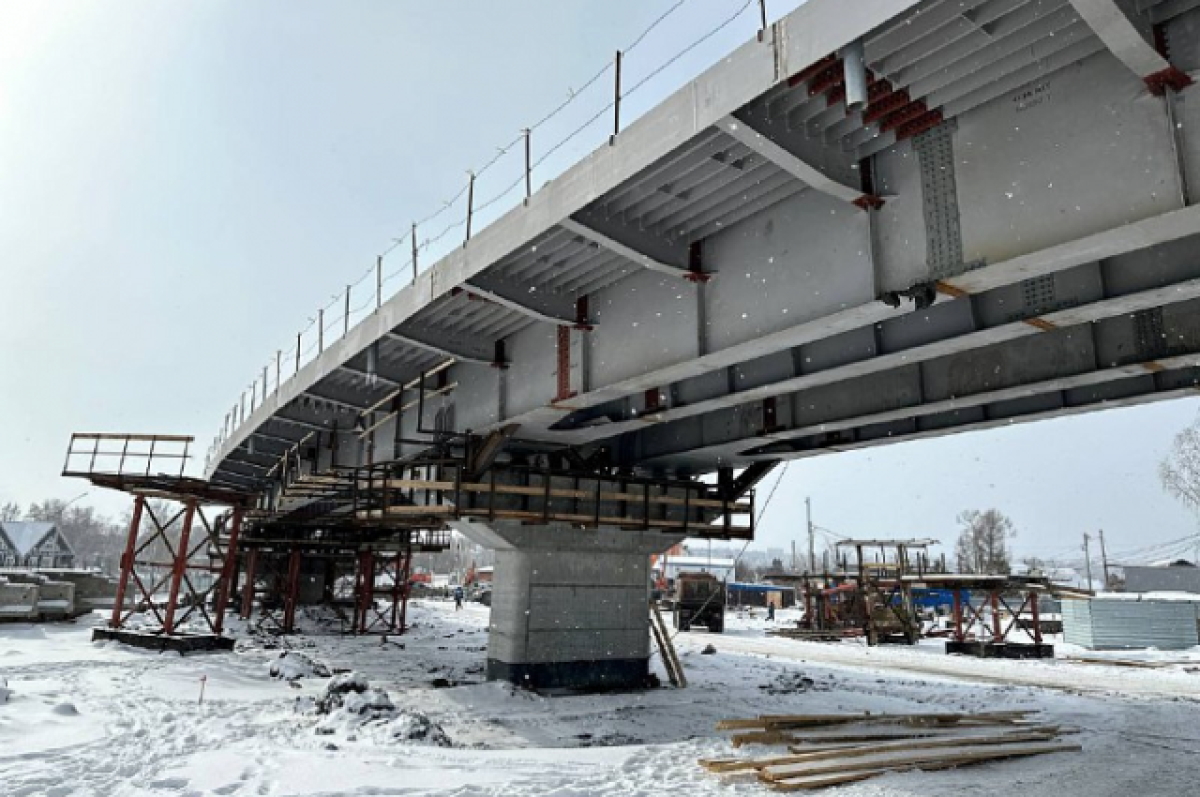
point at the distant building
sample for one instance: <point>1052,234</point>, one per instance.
<point>1179,576</point>
<point>722,568</point>
<point>26,543</point>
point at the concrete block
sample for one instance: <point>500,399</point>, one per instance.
<point>18,602</point>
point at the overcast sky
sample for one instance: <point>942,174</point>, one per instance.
<point>183,184</point>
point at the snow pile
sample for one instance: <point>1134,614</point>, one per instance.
<point>339,688</point>
<point>354,710</point>
<point>292,666</point>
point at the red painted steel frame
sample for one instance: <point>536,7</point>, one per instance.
<point>183,599</point>
<point>369,618</point>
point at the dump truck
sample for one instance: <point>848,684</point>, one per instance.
<point>699,600</point>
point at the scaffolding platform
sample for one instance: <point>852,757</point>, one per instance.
<point>181,643</point>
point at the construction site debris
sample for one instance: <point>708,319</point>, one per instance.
<point>832,749</point>
<point>291,666</point>
<point>352,709</point>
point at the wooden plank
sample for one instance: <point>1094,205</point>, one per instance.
<point>670,659</point>
<point>555,492</point>
<point>921,744</point>
<point>761,737</point>
<point>825,781</point>
<point>783,721</point>
<point>952,757</point>
<point>956,731</point>
<point>819,752</point>
<point>741,532</point>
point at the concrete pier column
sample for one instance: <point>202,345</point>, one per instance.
<point>569,606</point>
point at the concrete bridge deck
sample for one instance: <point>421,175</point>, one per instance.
<point>720,284</point>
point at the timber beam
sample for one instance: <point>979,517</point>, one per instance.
<point>364,375</point>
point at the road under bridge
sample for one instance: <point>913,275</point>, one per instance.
<point>876,222</point>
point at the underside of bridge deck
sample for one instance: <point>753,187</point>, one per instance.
<point>923,217</point>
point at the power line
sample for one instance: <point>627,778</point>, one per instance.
<point>573,95</point>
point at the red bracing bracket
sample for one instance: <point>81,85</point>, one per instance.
<point>887,104</point>
<point>916,127</point>
<point>828,78</point>
<point>804,75</point>
<point>564,365</point>
<point>1172,78</point>
<point>868,202</point>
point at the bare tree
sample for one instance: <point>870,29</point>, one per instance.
<point>744,572</point>
<point>10,511</point>
<point>1180,470</point>
<point>983,542</point>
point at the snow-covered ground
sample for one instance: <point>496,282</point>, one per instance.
<point>101,719</point>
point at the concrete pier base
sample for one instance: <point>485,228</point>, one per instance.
<point>569,606</point>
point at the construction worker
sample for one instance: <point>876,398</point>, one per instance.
<point>458,597</point>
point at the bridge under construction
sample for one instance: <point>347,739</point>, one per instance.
<point>867,225</point>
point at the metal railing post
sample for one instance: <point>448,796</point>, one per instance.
<point>414,252</point>
<point>617,102</point>
<point>528,166</point>
<point>470,204</point>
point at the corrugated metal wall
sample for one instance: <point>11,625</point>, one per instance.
<point>1126,624</point>
<point>1162,579</point>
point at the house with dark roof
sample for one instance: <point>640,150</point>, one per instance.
<point>30,543</point>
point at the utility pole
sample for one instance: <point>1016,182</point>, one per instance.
<point>1087,558</point>
<point>1104,560</point>
<point>812,551</point>
<point>793,556</point>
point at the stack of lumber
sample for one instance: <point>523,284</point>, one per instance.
<point>1136,663</point>
<point>832,749</point>
<point>813,635</point>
